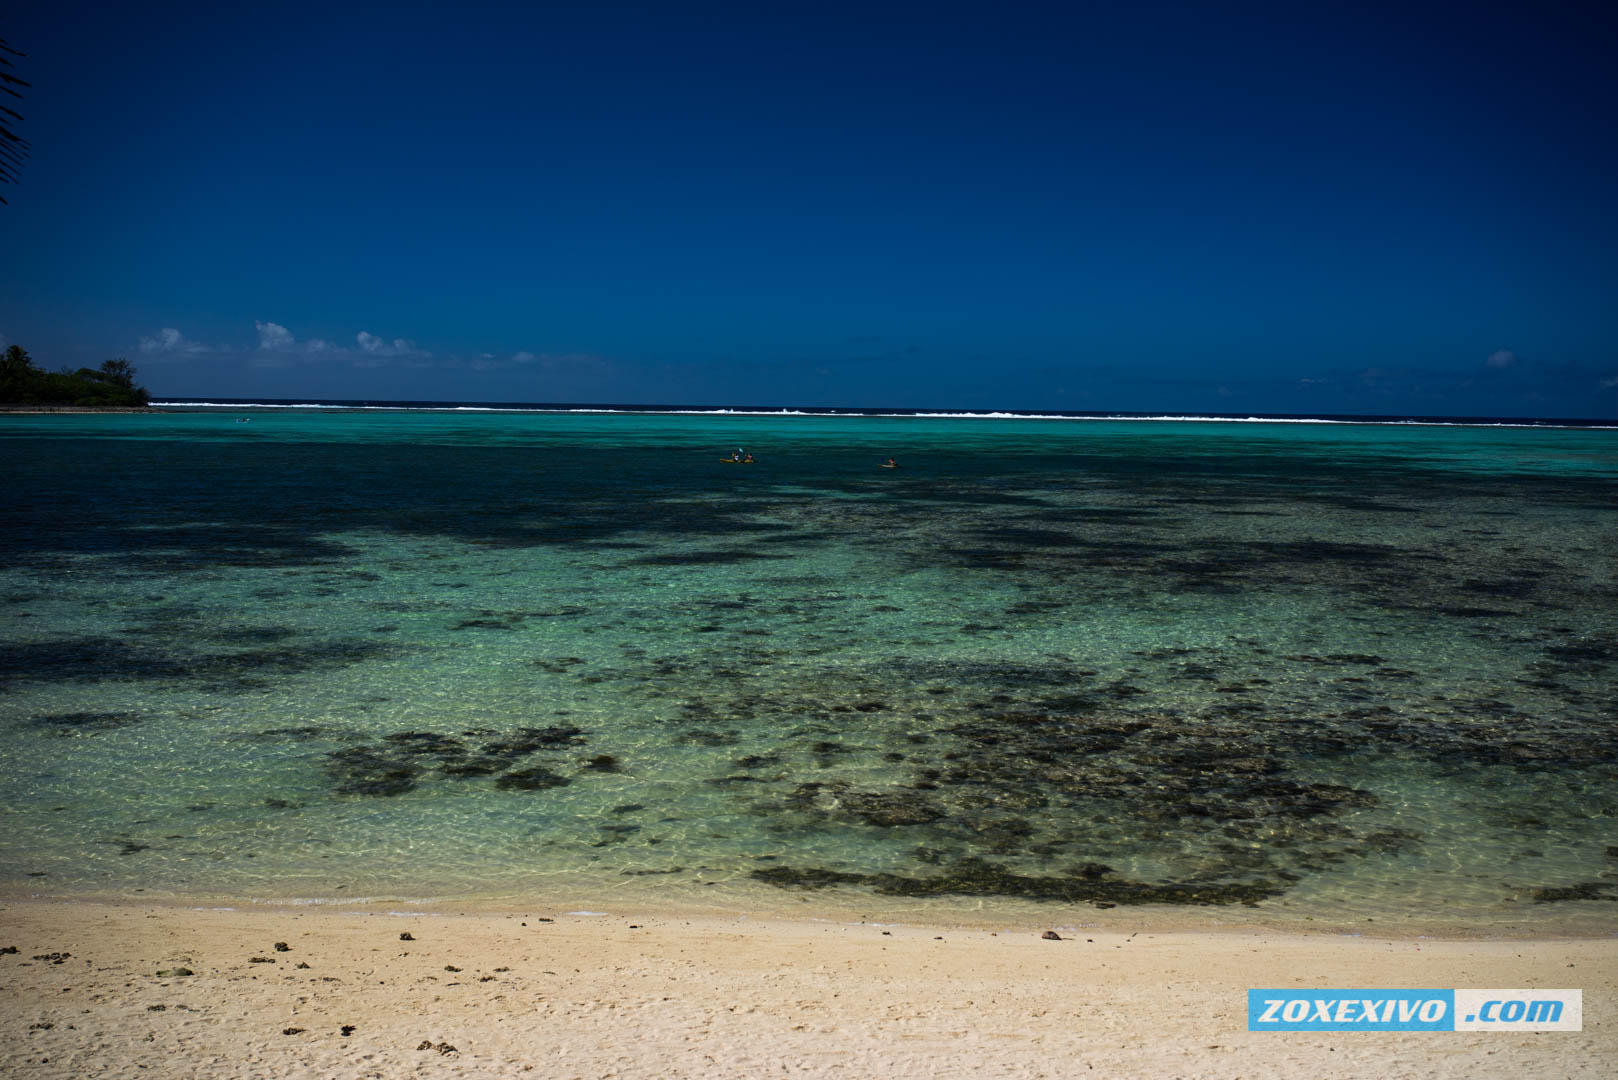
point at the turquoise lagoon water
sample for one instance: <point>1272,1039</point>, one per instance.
<point>1232,671</point>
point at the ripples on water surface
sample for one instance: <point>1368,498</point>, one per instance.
<point>1345,672</point>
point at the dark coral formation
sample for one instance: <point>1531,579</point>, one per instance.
<point>83,723</point>
<point>396,763</point>
<point>1584,890</point>
<point>980,877</point>
<point>537,778</point>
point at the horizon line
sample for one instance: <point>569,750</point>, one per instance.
<point>896,412</point>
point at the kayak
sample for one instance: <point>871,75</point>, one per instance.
<point>733,461</point>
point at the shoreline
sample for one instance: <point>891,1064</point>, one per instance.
<point>1596,923</point>
<point>550,993</point>
<point>75,410</point>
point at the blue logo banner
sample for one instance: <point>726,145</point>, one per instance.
<point>1534,1009</point>
<point>1350,1010</point>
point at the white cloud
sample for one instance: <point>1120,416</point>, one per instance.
<point>550,362</point>
<point>570,363</point>
<point>170,342</point>
<point>277,340</point>
<point>375,346</point>
<point>274,336</point>
<point>562,364</point>
<point>277,347</point>
<point>1608,384</point>
<point>1501,358</point>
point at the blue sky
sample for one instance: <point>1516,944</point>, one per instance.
<point>1232,208</point>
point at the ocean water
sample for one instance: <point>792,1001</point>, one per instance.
<point>1233,671</point>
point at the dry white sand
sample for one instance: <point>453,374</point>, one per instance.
<point>546,994</point>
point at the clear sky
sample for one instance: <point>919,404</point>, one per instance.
<point>1356,208</point>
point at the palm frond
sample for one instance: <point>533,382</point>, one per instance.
<point>13,147</point>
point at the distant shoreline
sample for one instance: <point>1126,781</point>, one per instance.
<point>34,410</point>
<point>868,412</point>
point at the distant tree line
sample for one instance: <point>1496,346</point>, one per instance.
<point>111,385</point>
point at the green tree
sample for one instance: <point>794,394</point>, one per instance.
<point>120,372</point>
<point>15,361</point>
<point>16,372</point>
<point>112,385</point>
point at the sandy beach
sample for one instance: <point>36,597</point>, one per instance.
<point>95,990</point>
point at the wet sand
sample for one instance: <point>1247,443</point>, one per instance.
<point>554,994</point>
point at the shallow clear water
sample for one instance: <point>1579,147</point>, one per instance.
<point>1270,671</point>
